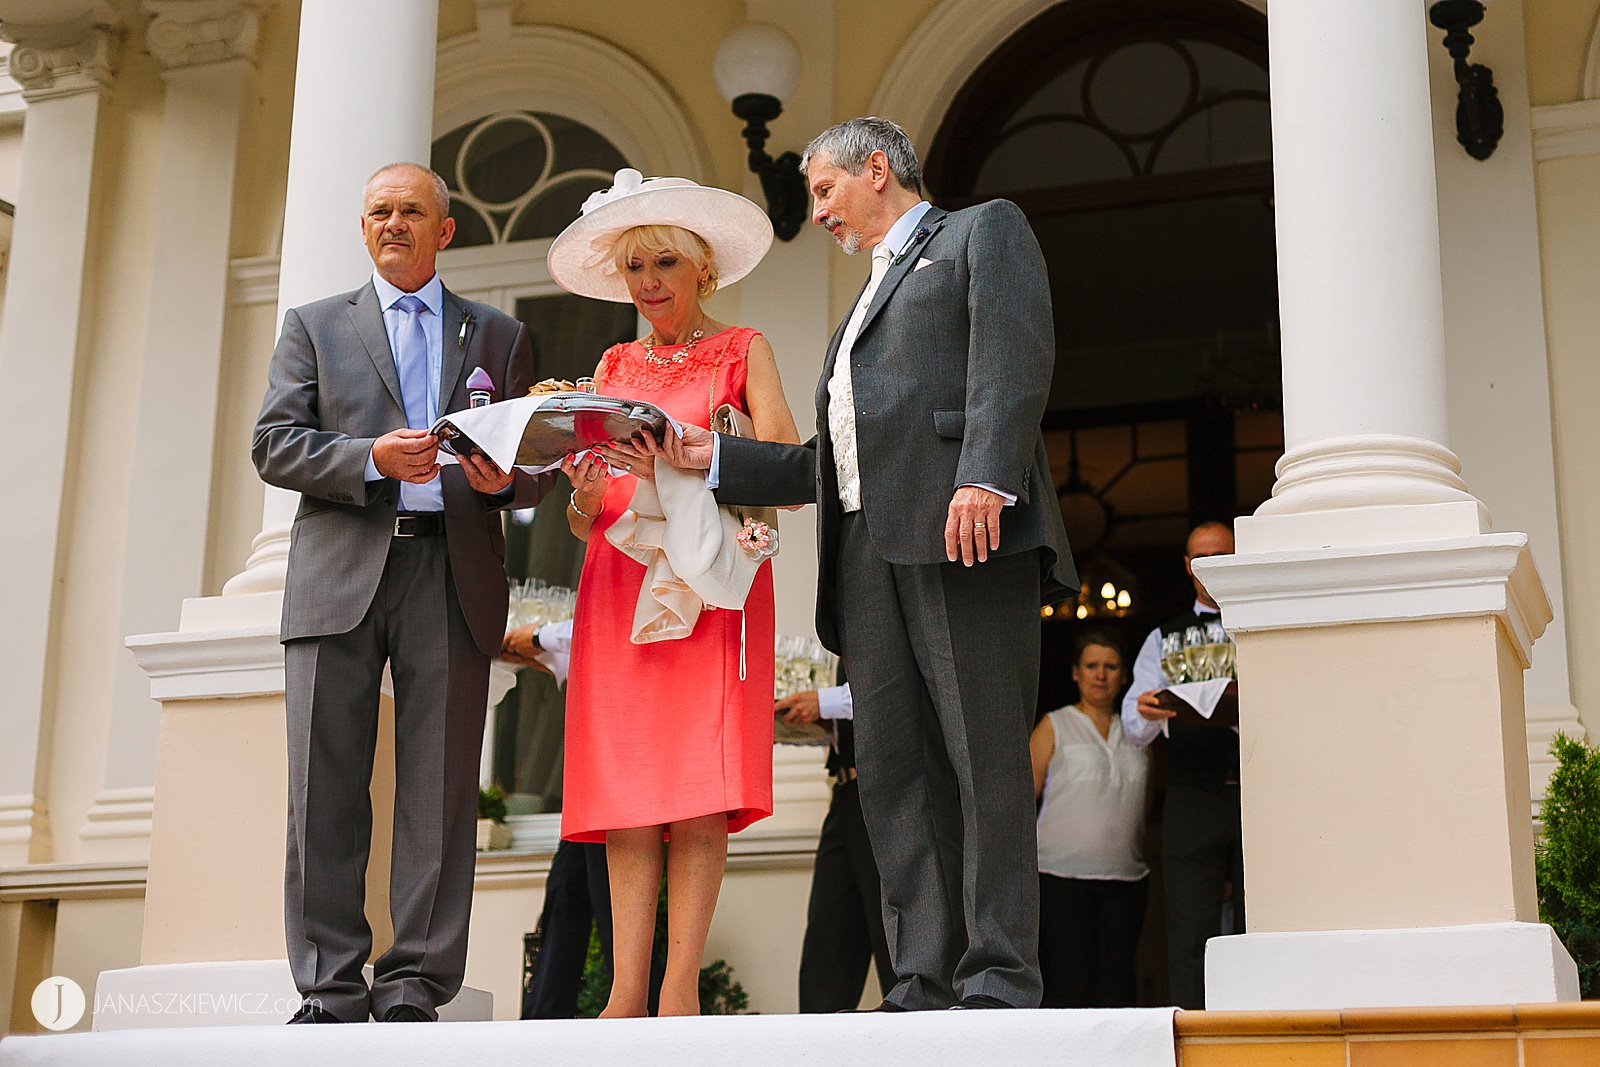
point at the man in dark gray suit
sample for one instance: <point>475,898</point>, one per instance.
<point>393,559</point>
<point>927,445</point>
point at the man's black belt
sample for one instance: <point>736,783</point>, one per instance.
<point>419,524</point>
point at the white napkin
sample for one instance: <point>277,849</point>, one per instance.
<point>1203,697</point>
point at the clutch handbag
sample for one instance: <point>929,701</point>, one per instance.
<point>729,420</point>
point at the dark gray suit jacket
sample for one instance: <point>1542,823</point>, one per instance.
<point>951,370</point>
<point>332,390</point>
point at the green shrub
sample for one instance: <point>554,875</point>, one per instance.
<point>492,803</point>
<point>1567,858</point>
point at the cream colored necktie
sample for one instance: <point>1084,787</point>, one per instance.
<point>841,393</point>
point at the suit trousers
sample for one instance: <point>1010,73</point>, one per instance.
<point>441,682</point>
<point>1200,853</point>
<point>844,918</point>
<point>577,900</point>
<point>944,671</point>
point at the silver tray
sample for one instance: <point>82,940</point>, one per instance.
<point>571,422</point>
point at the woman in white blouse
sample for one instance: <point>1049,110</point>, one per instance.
<point>1092,872</point>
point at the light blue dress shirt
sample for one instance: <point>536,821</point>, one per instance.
<point>428,496</point>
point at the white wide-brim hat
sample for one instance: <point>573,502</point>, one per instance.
<point>581,259</point>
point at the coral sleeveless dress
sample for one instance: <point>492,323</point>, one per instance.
<point>666,731</point>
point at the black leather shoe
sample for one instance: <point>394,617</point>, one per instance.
<point>885,1007</point>
<point>314,1013</point>
<point>406,1013</point>
<point>980,1000</point>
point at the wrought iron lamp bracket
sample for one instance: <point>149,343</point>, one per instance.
<point>781,181</point>
<point>1480,118</point>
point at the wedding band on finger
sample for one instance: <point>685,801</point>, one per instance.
<point>980,526</point>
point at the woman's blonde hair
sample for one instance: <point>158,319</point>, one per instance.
<point>656,240</point>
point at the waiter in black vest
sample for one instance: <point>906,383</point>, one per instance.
<point>1200,831</point>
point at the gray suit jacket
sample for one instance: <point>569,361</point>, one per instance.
<point>951,370</point>
<point>332,390</point>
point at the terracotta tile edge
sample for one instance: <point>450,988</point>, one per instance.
<point>1584,1015</point>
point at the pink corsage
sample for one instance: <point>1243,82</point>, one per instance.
<point>759,540</point>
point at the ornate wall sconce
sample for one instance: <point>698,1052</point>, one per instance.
<point>757,68</point>
<point>1480,119</point>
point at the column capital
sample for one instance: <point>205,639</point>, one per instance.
<point>188,33</point>
<point>63,59</point>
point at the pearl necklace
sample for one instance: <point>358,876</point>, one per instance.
<point>667,361</point>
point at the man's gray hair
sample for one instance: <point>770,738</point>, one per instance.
<point>441,190</point>
<point>848,144</point>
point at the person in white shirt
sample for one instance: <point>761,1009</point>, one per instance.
<point>1092,874</point>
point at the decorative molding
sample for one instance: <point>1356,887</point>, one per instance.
<point>1563,130</point>
<point>24,827</point>
<point>547,68</point>
<point>526,863</point>
<point>494,20</point>
<point>73,881</point>
<point>245,662</point>
<point>12,105</point>
<point>1490,574</point>
<point>187,33</point>
<point>1591,65</point>
<point>120,815</point>
<point>46,71</point>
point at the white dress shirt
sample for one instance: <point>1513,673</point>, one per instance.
<point>1148,675</point>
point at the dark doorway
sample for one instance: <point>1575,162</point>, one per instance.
<point>1136,136</point>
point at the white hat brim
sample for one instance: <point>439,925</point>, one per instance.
<point>737,230</point>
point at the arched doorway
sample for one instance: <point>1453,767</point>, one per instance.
<point>1136,136</point>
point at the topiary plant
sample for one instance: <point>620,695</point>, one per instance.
<point>1567,858</point>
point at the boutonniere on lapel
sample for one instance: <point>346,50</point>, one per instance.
<point>466,327</point>
<point>916,239</point>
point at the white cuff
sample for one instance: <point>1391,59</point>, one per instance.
<point>836,703</point>
<point>714,472</point>
<point>1009,498</point>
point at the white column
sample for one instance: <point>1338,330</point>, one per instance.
<point>64,70</point>
<point>1382,633</point>
<point>355,109</point>
<point>1360,298</point>
<point>208,49</point>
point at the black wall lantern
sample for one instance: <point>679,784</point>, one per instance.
<point>757,67</point>
<point>1480,120</point>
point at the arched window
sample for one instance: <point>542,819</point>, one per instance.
<point>1136,136</point>
<point>521,175</point>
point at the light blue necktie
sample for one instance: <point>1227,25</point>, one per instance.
<point>411,361</point>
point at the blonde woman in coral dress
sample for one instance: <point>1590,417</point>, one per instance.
<point>672,738</point>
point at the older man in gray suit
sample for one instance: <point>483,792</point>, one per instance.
<point>393,559</point>
<point>927,446</point>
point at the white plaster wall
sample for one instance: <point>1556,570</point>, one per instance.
<point>1499,388</point>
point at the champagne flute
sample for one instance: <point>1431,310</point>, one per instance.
<point>1195,654</point>
<point>1172,664</point>
<point>1219,649</point>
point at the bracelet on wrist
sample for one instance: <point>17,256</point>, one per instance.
<point>572,502</point>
